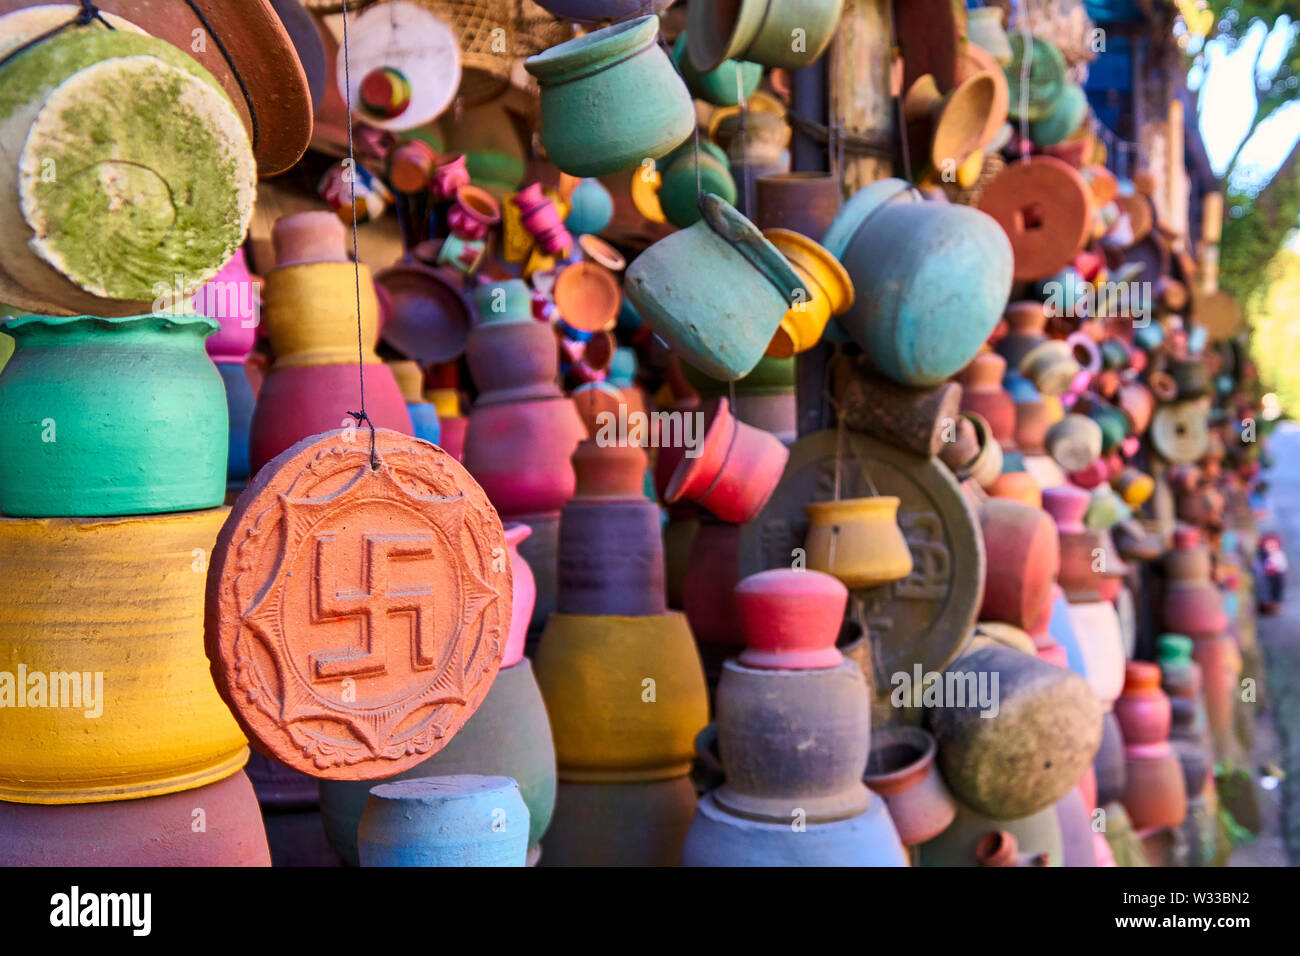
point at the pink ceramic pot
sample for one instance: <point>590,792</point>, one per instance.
<point>1143,709</point>
<point>524,595</point>
<point>1023,560</point>
<point>1192,604</point>
<point>474,213</point>
<point>736,471</point>
<point>1095,475</point>
<point>901,769</point>
<point>453,436</point>
<point>542,220</point>
<point>233,298</point>
<point>297,402</point>
<point>791,619</point>
<point>449,177</point>
<point>520,453</point>
<point>313,236</point>
<point>982,392</point>
<point>1155,794</point>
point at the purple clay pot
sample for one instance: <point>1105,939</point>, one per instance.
<point>610,558</point>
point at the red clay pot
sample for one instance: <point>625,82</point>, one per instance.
<point>982,392</point>
<point>1155,794</point>
<point>1192,604</point>
<point>1143,709</point>
<point>901,769</point>
<point>300,401</point>
<point>611,471</point>
<point>1023,560</point>
<point>1220,663</point>
<point>1019,486</point>
<point>1025,321</point>
<point>791,619</point>
<point>709,588</point>
<point>520,453</point>
<point>1032,423</point>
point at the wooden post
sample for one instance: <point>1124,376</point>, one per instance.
<point>861,62</point>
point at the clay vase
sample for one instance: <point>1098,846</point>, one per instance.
<point>803,202</point>
<point>510,361</point>
<point>1078,574</point>
<point>735,470</point>
<point>1035,836</point>
<point>1192,604</point>
<point>645,109</point>
<point>458,820</point>
<point>830,293</point>
<point>79,592</point>
<point>299,401</point>
<point>858,540</point>
<point>791,619</point>
<point>719,838</point>
<point>83,430</point>
<point>760,31</point>
<point>1014,761</point>
<point>982,392</point>
<point>520,453</point>
<point>154,831</point>
<point>1143,710</point>
<point>524,595</point>
<point>509,735</point>
<point>474,212</point>
<point>720,266</point>
<point>793,740</point>
<point>1023,559</point>
<point>931,280</point>
<point>900,768</point>
<point>1155,794</point>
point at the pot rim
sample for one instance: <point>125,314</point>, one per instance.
<point>873,506</point>
<point>18,325</point>
<point>593,52</point>
<point>891,781</point>
<point>707,52</point>
<point>834,282</point>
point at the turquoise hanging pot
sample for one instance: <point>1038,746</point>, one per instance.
<point>728,84</point>
<point>680,185</point>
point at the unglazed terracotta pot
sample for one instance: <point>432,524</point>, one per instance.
<point>1143,710</point>
<point>858,540</point>
<point>791,619</point>
<point>513,360</point>
<point>719,838</point>
<point>644,107</point>
<point>458,820</point>
<point>84,431</point>
<point>1036,835</point>
<point>509,734</point>
<point>520,453</point>
<point>999,848</point>
<point>804,202</point>
<point>1192,604</point>
<point>154,831</point>
<point>829,288</point>
<point>591,823</point>
<point>297,402</point>
<point>901,769</point>
<point>310,312</point>
<point>1028,754</point>
<point>761,31</point>
<point>982,392</point>
<point>1155,794</point>
<point>721,266</point>
<point>80,591</point>
<point>1023,560</point>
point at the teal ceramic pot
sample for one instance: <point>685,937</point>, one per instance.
<point>730,83</point>
<point>591,208</point>
<point>955,846</point>
<point>1047,78</point>
<point>120,416</point>
<point>716,838</point>
<point>680,186</point>
<point>786,33</point>
<point>602,11</point>
<point>610,99</point>
<point>240,401</point>
<point>1066,116</point>
<point>716,291</point>
<point>508,735</point>
<point>932,280</point>
<point>461,820</point>
<point>638,823</point>
<point>424,422</point>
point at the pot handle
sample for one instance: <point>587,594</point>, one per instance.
<point>706,749</point>
<point>743,236</point>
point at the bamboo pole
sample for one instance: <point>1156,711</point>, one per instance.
<point>861,101</point>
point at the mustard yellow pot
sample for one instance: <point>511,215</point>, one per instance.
<point>830,292</point>
<point>626,695</point>
<point>114,609</point>
<point>858,540</point>
<point>311,314</point>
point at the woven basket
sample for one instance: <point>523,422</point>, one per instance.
<point>993,164</point>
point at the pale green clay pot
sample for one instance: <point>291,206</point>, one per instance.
<point>1064,118</point>
<point>785,33</point>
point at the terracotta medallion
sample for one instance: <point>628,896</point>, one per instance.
<point>356,616</point>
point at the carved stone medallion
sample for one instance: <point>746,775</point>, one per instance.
<point>356,616</point>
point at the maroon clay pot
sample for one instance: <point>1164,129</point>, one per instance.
<point>982,393</point>
<point>1192,604</point>
<point>709,588</point>
<point>453,436</point>
<point>901,769</point>
<point>1143,709</point>
<point>520,453</point>
<point>298,402</point>
<point>154,831</point>
<point>1023,561</point>
<point>1155,794</point>
<point>610,558</point>
<point>791,619</point>
<point>1220,663</point>
<point>804,202</point>
<point>511,361</point>
<point>1025,321</point>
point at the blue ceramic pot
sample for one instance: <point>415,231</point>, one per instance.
<point>716,838</point>
<point>424,421</point>
<point>1062,631</point>
<point>591,208</point>
<point>240,401</point>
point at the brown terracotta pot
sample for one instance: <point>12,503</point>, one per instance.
<point>982,392</point>
<point>1026,320</point>
<point>1143,709</point>
<point>901,769</point>
<point>1155,794</point>
<point>804,202</point>
<point>1192,603</point>
<point>1032,423</point>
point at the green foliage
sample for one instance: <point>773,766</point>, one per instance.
<point>1254,229</point>
<point>1272,312</point>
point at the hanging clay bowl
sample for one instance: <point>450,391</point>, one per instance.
<point>723,269</point>
<point>599,251</point>
<point>858,540</point>
<point>945,129</point>
<point>1047,77</point>
<point>761,31</point>
<point>901,769</point>
<point>84,428</point>
<point>126,208</point>
<point>803,202</point>
<point>1179,432</point>
<point>610,99</point>
<point>791,619</point>
<point>1044,208</point>
<point>1066,116</point>
<point>728,84</point>
<point>459,820</point>
<point>681,182</point>
<point>830,293</point>
<point>931,280</point>
<point>587,296</point>
<point>431,319</point>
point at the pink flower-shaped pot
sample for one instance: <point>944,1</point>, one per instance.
<point>474,213</point>
<point>449,177</point>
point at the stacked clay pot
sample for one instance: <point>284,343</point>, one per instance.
<point>233,295</point>
<point>620,673</point>
<point>310,315</point>
<point>109,521</point>
<point>1155,793</point>
<point>1189,730</point>
<point>793,734</point>
<point>521,433</point>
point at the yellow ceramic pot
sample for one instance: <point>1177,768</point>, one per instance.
<point>858,540</point>
<point>114,609</point>
<point>311,314</point>
<point>626,696</point>
<point>830,292</point>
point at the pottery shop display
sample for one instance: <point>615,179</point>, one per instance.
<point>721,267</point>
<point>931,279</point>
<point>61,256</point>
<point>644,107</point>
<point>82,429</point>
<point>901,768</point>
<point>761,31</point>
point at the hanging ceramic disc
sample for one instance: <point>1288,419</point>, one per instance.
<point>1044,208</point>
<point>400,40</point>
<point>923,618</point>
<point>1179,432</point>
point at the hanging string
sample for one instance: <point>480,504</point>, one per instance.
<point>1026,65</point>
<point>88,14</point>
<point>745,171</point>
<point>360,416</point>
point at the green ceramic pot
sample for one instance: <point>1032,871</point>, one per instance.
<point>715,292</point>
<point>786,33</point>
<point>1047,80</point>
<point>610,99</point>
<point>121,416</point>
<point>680,186</point>
<point>731,82</point>
<point>1064,118</point>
